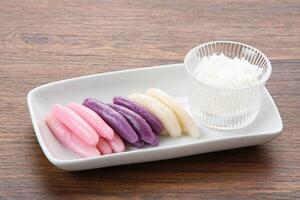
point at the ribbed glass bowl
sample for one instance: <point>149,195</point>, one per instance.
<point>225,109</point>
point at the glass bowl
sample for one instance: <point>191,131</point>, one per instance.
<point>226,109</point>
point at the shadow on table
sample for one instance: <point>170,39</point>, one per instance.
<point>238,165</point>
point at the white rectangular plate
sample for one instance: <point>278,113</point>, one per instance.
<point>170,78</point>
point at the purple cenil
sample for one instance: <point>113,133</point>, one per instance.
<point>151,119</point>
<point>138,144</point>
<point>114,119</point>
<point>139,124</point>
<point>155,142</point>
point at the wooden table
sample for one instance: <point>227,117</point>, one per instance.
<point>45,41</point>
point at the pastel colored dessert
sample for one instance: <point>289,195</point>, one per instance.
<point>76,124</point>
<point>187,123</point>
<point>104,147</point>
<point>116,144</point>
<point>162,112</point>
<point>139,124</point>
<point>70,140</point>
<point>94,120</point>
<point>114,119</point>
<point>109,142</point>
<point>155,142</point>
<point>151,119</point>
<point>96,128</point>
<point>138,144</point>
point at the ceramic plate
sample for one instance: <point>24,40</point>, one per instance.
<point>170,78</point>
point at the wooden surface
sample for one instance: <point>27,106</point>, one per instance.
<point>45,41</point>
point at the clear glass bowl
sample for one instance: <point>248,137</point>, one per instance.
<point>225,109</point>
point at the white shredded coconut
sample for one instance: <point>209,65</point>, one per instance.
<point>226,73</point>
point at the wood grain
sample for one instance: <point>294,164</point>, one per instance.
<point>44,41</point>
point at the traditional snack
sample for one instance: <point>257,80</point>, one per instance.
<point>93,120</point>
<point>96,128</point>
<point>140,125</point>
<point>76,124</point>
<point>117,144</point>
<point>187,123</point>
<point>152,120</point>
<point>113,118</point>
<point>71,141</point>
<point>162,112</point>
<point>104,147</point>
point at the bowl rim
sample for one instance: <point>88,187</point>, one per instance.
<point>261,82</point>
